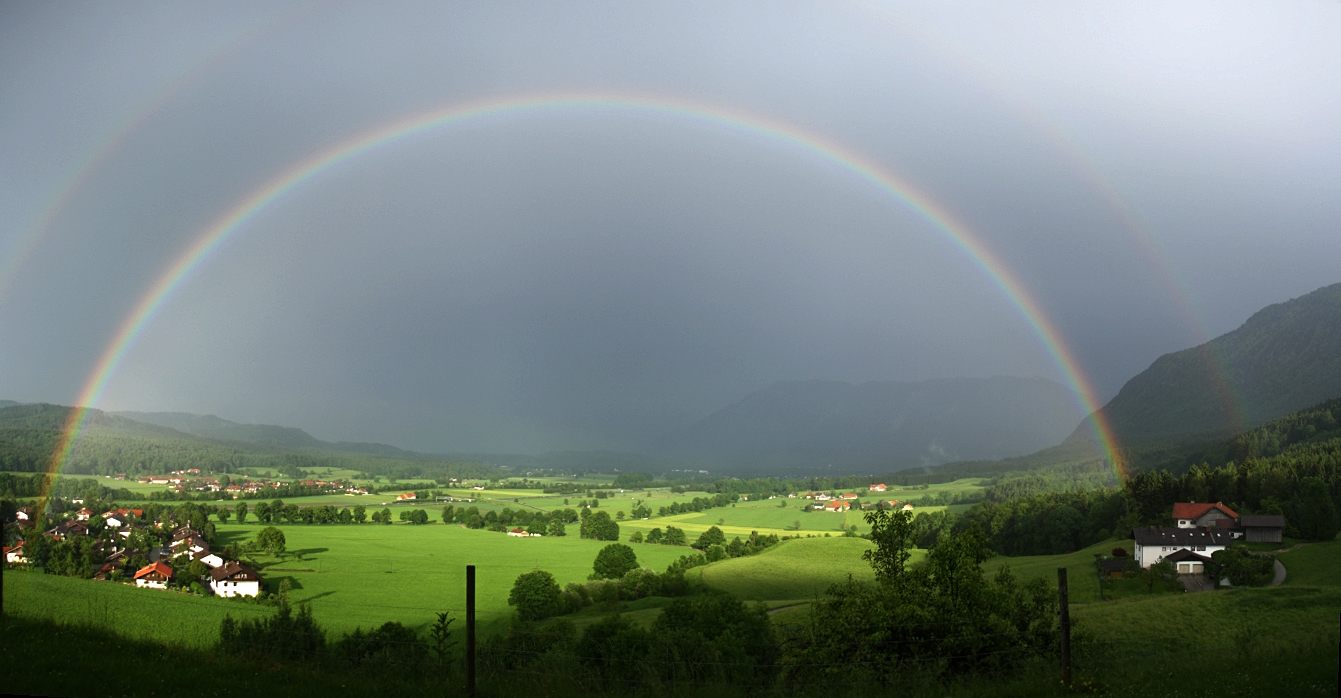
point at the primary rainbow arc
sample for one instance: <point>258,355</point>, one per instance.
<point>274,189</point>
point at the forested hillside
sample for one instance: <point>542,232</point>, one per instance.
<point>1285,358</point>
<point>1289,466</point>
<point>109,445</point>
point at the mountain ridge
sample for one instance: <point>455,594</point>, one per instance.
<point>1284,358</point>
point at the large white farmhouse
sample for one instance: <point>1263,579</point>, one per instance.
<point>1154,543</point>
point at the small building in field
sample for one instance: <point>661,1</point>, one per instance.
<point>1114,568</point>
<point>155,575</point>
<point>520,533</point>
<point>235,579</point>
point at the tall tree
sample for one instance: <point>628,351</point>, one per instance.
<point>614,561</point>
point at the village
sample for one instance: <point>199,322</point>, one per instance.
<point>135,551</point>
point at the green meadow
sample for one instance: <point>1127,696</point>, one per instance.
<point>351,576</point>
<point>794,570</point>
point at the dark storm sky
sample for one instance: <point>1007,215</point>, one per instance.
<point>582,277</point>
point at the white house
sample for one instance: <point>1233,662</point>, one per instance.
<point>209,558</point>
<point>1154,543</point>
<point>235,579</point>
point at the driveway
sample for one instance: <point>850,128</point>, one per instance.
<point>1196,582</point>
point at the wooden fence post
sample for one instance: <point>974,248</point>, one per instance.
<point>1065,625</point>
<point>470,630</point>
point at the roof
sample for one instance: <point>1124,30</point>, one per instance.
<point>1262,521</point>
<point>1167,535</point>
<point>235,571</point>
<point>1185,510</point>
<point>154,567</point>
<point>1186,555</point>
<point>1115,564</point>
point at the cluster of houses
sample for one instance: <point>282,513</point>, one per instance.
<point>851,500</point>
<point>1200,530</point>
<point>224,577</point>
<point>190,481</point>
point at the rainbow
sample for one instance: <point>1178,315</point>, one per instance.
<point>459,115</point>
<point>1080,161</point>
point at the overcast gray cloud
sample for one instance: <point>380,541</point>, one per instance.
<point>589,277</point>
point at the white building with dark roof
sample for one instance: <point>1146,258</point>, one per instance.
<point>1154,543</point>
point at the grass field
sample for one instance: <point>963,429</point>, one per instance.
<point>794,570</point>
<point>1313,565</point>
<point>352,576</point>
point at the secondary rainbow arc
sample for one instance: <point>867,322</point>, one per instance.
<point>235,218</point>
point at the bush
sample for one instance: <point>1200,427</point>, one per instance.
<point>390,647</point>
<point>1242,567</point>
<point>640,583</point>
<point>536,596</point>
<point>603,591</point>
<point>284,635</point>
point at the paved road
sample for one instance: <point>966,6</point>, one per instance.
<point>1280,574</point>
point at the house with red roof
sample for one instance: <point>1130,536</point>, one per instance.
<point>14,554</point>
<point>1194,515</point>
<point>155,575</point>
<point>878,488</point>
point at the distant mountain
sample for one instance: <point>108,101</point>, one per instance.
<point>883,425</point>
<point>212,427</point>
<point>1285,358</point>
<point>53,418</point>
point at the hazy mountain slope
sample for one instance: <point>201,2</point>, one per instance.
<point>882,424</point>
<point>212,427</point>
<point>53,418</point>
<point>1285,358</point>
